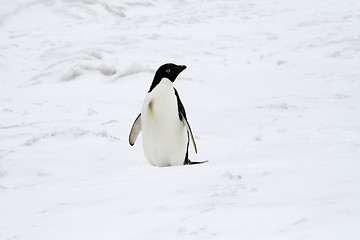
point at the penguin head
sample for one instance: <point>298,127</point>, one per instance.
<point>169,71</point>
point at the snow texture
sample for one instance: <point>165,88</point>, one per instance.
<point>272,93</point>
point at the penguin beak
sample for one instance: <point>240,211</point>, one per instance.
<point>182,68</point>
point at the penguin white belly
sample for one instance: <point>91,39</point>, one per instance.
<point>164,135</point>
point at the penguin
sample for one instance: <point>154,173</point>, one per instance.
<point>165,129</point>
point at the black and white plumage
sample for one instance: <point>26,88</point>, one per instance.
<point>163,122</point>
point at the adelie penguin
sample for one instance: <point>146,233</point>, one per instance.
<point>165,128</point>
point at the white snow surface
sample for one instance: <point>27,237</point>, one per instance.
<point>272,93</point>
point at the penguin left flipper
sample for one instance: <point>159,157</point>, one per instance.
<point>182,117</point>
<point>135,130</point>
<point>185,122</point>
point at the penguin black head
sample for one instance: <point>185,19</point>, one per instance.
<point>169,71</point>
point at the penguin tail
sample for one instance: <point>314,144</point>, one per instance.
<point>188,162</point>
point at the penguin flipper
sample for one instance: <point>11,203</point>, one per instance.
<point>135,130</point>
<point>183,119</point>
<point>185,122</point>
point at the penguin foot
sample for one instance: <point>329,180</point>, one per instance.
<point>188,162</point>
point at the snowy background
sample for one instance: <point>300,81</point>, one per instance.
<point>272,92</point>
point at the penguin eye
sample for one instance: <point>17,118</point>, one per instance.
<point>168,70</point>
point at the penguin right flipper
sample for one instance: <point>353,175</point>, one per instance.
<point>135,130</point>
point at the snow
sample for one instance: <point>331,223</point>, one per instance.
<point>272,92</point>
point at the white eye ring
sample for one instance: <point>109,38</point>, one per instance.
<point>168,70</point>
